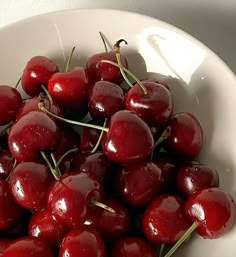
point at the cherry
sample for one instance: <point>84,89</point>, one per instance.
<point>6,163</point>
<point>186,136</point>
<point>193,177</point>
<point>29,183</point>
<point>105,98</point>
<point>28,247</point>
<point>70,89</point>
<point>132,246</point>
<point>155,107</point>
<point>139,183</point>
<point>37,72</point>
<point>10,212</point>
<point>110,225</point>
<point>83,241</point>
<point>158,81</point>
<point>164,220</point>
<point>70,197</point>
<point>10,102</point>
<point>44,225</point>
<point>32,133</point>
<point>122,141</point>
<point>4,243</point>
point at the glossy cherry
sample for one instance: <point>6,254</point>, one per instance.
<point>10,102</point>
<point>186,136</point>
<point>139,183</point>
<point>70,197</point>
<point>104,99</point>
<point>83,241</point>
<point>29,183</point>
<point>122,141</point>
<point>37,72</point>
<point>10,212</point>
<point>110,225</point>
<point>164,220</point>
<point>193,177</point>
<point>6,163</point>
<point>28,247</point>
<point>155,107</point>
<point>132,246</point>
<point>160,80</point>
<point>34,132</point>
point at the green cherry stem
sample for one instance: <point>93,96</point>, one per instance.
<point>104,41</point>
<point>101,205</point>
<point>64,155</point>
<point>47,94</point>
<point>161,250</point>
<point>184,237</point>
<point>18,82</point>
<point>54,172</point>
<point>129,73</point>
<point>69,59</point>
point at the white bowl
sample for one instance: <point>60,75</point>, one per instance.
<point>201,83</point>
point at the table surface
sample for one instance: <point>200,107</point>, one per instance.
<point>211,21</point>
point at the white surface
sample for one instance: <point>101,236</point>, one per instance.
<point>211,21</point>
<point>176,54</point>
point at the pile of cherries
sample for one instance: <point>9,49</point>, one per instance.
<point>124,185</point>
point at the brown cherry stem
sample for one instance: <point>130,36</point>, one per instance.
<point>69,59</point>
<point>42,108</point>
<point>100,138</point>
<point>18,82</point>
<point>64,155</point>
<point>129,73</point>
<point>102,205</point>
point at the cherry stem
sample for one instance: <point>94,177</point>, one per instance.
<point>163,137</point>
<point>102,205</point>
<point>47,93</point>
<point>100,138</point>
<point>104,41</point>
<point>54,172</point>
<point>42,108</point>
<point>64,155</point>
<point>161,250</point>
<point>55,164</point>
<point>8,125</point>
<point>69,59</point>
<point>184,237</point>
<point>129,73</point>
<point>17,83</point>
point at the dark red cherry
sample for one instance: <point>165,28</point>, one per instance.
<point>161,81</point>
<point>28,247</point>
<point>6,163</point>
<point>44,225</point>
<point>193,177</point>
<point>128,139</point>
<point>164,220</point>
<point>105,71</point>
<point>32,105</point>
<point>110,225</point>
<point>105,98</point>
<point>155,107</point>
<point>33,133</point>
<point>4,243</point>
<point>139,183</point>
<point>37,72</point>
<point>70,197</point>
<point>132,246</point>
<point>10,212</point>
<point>213,210</point>
<point>186,136</point>
<point>83,241</point>
<point>29,183</point>
<point>10,102</point>
<point>70,89</point>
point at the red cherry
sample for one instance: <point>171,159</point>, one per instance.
<point>6,163</point>
<point>29,183</point>
<point>105,98</point>
<point>37,72</point>
<point>82,241</point>
<point>139,183</point>
<point>70,197</point>
<point>110,225</point>
<point>122,143</point>
<point>10,102</point>
<point>105,71</point>
<point>10,212</point>
<point>164,220</point>
<point>132,246</point>
<point>34,132</point>
<point>193,177</point>
<point>70,89</point>
<point>44,225</point>
<point>28,247</point>
<point>213,210</point>
<point>186,136</point>
<point>161,81</point>
<point>4,243</point>
<point>155,107</point>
